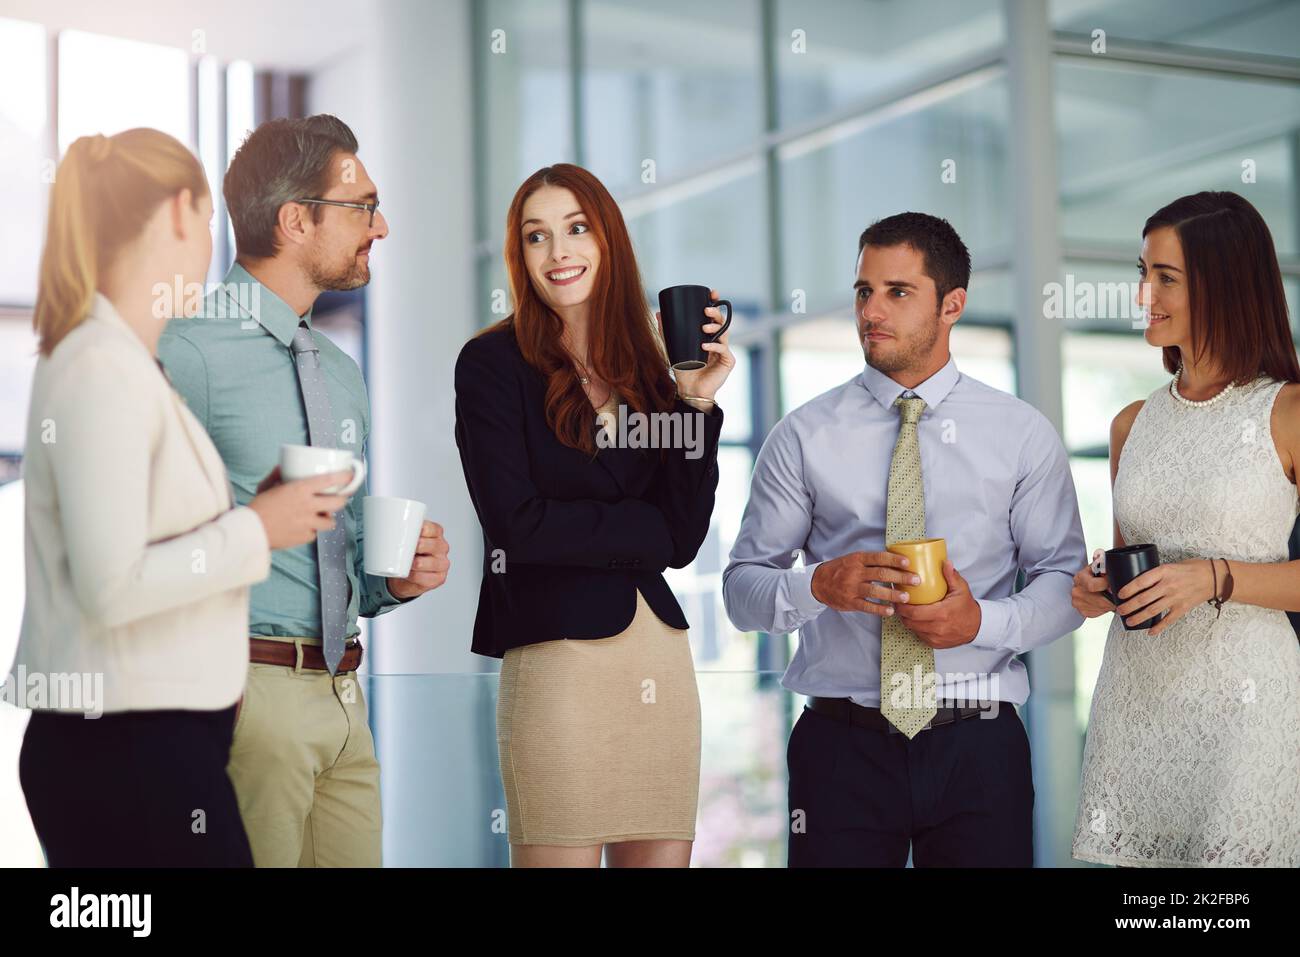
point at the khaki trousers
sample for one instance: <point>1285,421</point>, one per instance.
<point>304,769</point>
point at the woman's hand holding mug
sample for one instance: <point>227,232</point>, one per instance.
<point>704,383</point>
<point>293,512</point>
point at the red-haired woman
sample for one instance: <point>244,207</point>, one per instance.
<point>598,718</point>
<point>1193,751</point>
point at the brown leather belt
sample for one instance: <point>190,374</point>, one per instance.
<point>858,716</point>
<point>267,651</point>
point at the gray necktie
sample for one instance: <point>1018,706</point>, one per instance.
<point>331,546</point>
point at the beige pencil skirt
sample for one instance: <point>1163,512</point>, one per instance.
<point>599,739</point>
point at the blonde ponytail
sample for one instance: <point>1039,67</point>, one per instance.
<point>105,190</point>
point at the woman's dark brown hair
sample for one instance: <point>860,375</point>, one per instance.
<point>1234,287</point>
<point>623,349</point>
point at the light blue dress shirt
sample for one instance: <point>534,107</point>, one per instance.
<point>236,372</point>
<point>997,488</point>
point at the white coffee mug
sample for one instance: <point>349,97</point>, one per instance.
<point>306,461</point>
<point>392,531</point>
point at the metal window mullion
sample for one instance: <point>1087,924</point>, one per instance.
<point>1164,56</point>
<point>576,65</point>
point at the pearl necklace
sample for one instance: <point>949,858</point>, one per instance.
<point>1173,390</point>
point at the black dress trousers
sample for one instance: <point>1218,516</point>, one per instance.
<point>959,795</point>
<point>133,789</point>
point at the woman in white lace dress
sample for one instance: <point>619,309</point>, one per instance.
<point>1193,748</point>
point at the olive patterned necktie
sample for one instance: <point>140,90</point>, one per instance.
<point>900,650</point>
<point>331,546</point>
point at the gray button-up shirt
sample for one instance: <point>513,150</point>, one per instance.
<point>997,487</point>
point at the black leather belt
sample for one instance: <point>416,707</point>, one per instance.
<point>858,716</point>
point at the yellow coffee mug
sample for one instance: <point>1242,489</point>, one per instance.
<point>925,558</point>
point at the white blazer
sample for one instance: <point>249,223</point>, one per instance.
<point>138,566</point>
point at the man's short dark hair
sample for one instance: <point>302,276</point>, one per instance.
<point>280,162</point>
<point>947,260</point>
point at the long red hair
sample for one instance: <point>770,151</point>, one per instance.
<point>623,348</point>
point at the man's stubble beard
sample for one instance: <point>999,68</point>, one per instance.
<point>340,280</point>
<point>911,352</point>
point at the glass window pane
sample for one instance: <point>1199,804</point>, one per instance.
<point>717,645</point>
<point>107,84</point>
<point>989,300</point>
<point>240,109</point>
<point>834,53</point>
<point>1092,485</point>
<point>743,814</point>
<point>1132,140</point>
<point>526,96</point>
<point>712,238</point>
<point>1104,373</point>
<point>985,354</point>
<point>1244,26</point>
<point>831,194</point>
<point>735,400</point>
<point>17,365</point>
<point>26,169</point>
<point>817,356</point>
<point>673,82</point>
<point>240,119</point>
<point>209,152</point>
<point>1099,295</point>
<point>495,302</point>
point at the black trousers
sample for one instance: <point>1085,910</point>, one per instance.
<point>133,789</point>
<point>960,795</point>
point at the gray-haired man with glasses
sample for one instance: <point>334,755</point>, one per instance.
<point>258,376</point>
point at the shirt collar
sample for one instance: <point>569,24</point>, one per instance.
<point>933,390</point>
<point>274,314</point>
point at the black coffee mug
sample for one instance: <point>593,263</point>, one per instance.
<point>682,309</point>
<point>1122,566</point>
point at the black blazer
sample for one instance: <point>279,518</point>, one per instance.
<point>568,539</point>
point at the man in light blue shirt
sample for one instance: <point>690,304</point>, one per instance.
<point>997,488</point>
<point>305,215</point>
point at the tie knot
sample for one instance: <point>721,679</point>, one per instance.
<point>910,409</point>
<point>303,341</point>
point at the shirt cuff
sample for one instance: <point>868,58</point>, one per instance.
<point>801,595</point>
<point>992,633</point>
<point>389,598</point>
<point>379,599</point>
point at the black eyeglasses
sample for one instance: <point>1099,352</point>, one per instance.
<point>371,207</point>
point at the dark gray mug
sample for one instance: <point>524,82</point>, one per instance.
<point>1122,566</point>
<point>682,309</point>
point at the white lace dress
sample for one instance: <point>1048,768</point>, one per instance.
<point>1193,747</point>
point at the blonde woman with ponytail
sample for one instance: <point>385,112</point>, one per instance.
<point>134,642</point>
